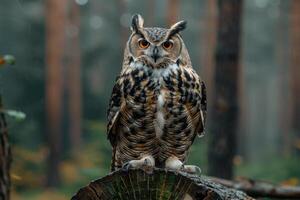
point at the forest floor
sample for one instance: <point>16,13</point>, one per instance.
<point>93,160</point>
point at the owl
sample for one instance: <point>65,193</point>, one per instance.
<point>158,103</point>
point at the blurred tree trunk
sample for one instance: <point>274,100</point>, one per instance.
<point>74,78</point>
<point>55,41</point>
<point>208,46</point>
<point>172,11</point>
<point>150,12</point>
<point>5,158</point>
<point>122,7</point>
<point>284,97</point>
<point>295,70</point>
<point>222,146</point>
<point>208,43</point>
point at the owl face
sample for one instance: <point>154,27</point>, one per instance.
<point>155,46</point>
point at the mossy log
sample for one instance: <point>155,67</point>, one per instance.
<point>160,184</point>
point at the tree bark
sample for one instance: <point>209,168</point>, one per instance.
<point>222,145</point>
<point>5,158</point>
<point>161,184</point>
<point>55,41</point>
<point>74,79</point>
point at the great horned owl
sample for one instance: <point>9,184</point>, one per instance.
<point>158,104</point>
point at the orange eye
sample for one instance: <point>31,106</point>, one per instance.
<point>144,43</point>
<point>168,44</point>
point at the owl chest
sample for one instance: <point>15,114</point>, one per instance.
<point>153,92</point>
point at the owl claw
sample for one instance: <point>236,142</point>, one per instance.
<point>126,166</point>
<point>191,169</point>
<point>147,164</point>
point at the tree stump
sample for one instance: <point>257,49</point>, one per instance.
<point>5,158</point>
<point>160,184</point>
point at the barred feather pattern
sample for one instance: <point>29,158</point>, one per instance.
<point>170,100</point>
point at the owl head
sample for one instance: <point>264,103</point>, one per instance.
<point>156,47</point>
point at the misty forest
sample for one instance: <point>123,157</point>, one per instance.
<point>59,60</point>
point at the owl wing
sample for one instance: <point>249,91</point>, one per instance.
<point>203,108</point>
<point>113,112</point>
<point>196,104</point>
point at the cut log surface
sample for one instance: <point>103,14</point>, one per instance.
<point>160,184</point>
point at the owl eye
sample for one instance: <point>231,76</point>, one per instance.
<point>144,43</point>
<point>168,44</point>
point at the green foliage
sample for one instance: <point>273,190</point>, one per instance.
<point>18,115</point>
<point>276,170</point>
<point>91,162</point>
<point>7,59</point>
<point>198,152</point>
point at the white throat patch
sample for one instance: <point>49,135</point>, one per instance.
<point>160,115</point>
<point>163,72</point>
<point>160,119</point>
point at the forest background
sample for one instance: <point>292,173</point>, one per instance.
<point>69,53</point>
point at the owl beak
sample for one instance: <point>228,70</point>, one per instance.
<point>155,54</point>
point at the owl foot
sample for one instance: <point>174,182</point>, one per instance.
<point>174,163</point>
<point>147,164</point>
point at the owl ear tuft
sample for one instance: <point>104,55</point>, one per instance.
<point>177,27</point>
<point>137,23</point>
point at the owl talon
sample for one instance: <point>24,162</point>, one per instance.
<point>181,168</point>
<point>175,164</point>
<point>146,163</point>
<point>126,166</point>
<point>191,169</point>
